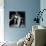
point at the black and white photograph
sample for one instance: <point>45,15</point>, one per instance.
<point>17,19</point>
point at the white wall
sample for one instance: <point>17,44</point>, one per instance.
<point>1,21</point>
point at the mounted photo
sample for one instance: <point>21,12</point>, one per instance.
<point>17,18</point>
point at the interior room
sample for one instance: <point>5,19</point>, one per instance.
<point>22,23</point>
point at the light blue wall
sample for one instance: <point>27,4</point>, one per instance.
<point>43,6</point>
<point>30,7</point>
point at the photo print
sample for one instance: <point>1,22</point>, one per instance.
<point>17,19</point>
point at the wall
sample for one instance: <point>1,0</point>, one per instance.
<point>30,7</point>
<point>43,6</point>
<point>1,21</point>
